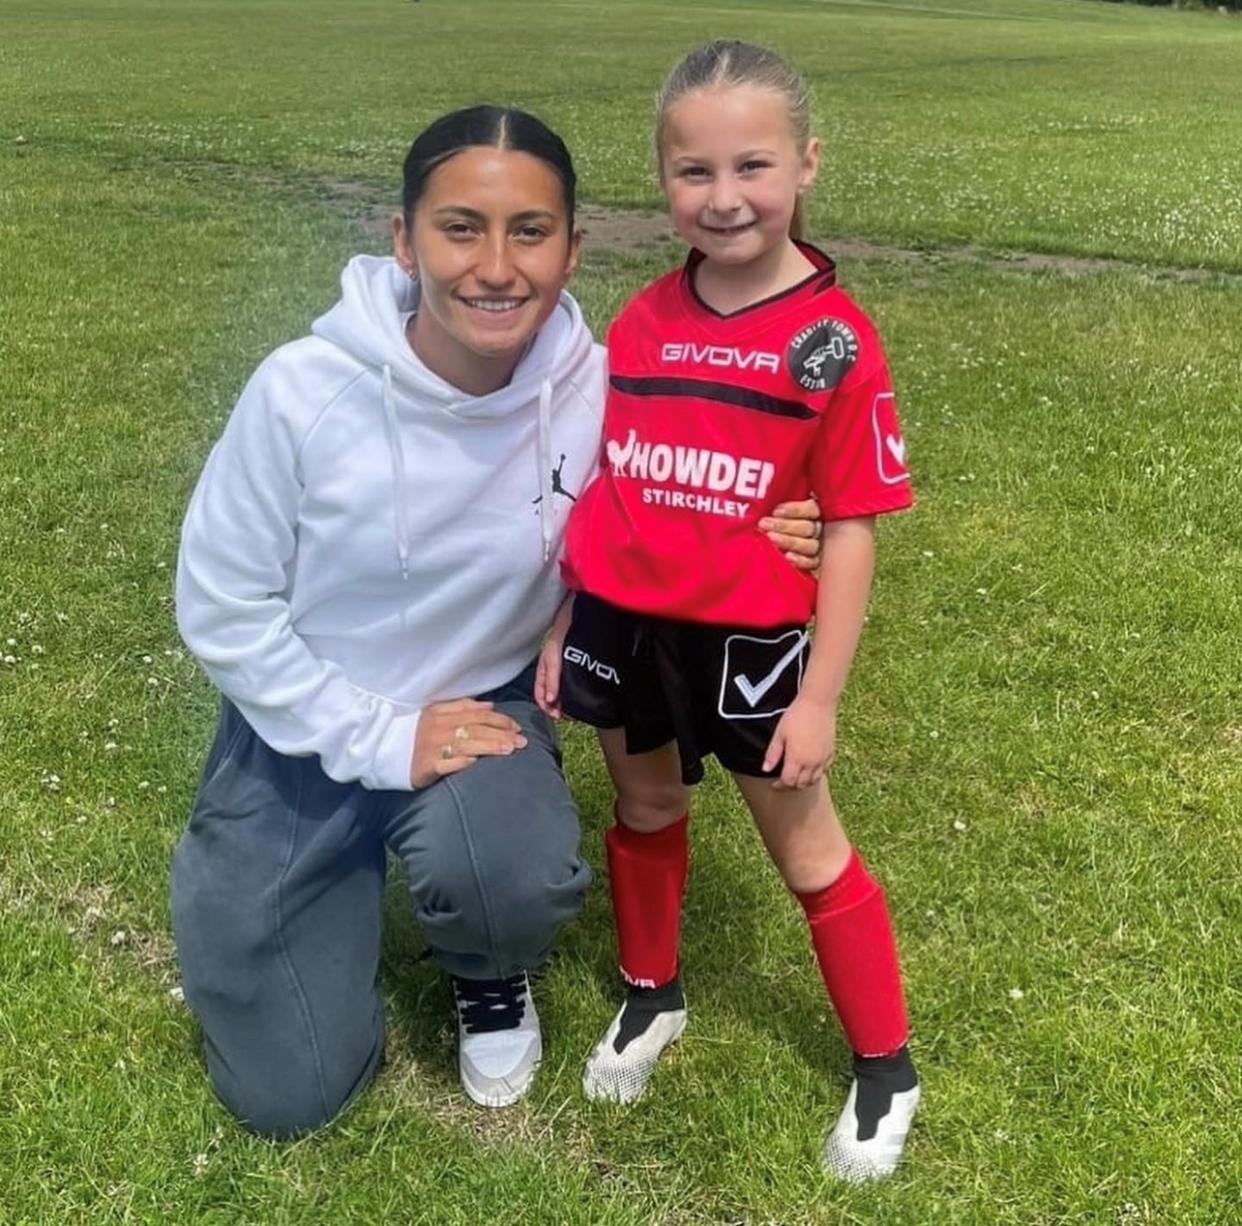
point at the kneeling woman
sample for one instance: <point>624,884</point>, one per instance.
<point>368,567</point>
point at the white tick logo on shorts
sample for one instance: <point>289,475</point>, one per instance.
<point>605,672</point>
<point>765,672</point>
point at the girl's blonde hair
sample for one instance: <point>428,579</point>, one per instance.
<point>727,62</point>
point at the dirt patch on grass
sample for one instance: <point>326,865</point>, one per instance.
<point>606,228</point>
<point>369,206</point>
<point>1015,261</point>
<point>629,231</point>
<point>609,229</point>
<point>603,228</point>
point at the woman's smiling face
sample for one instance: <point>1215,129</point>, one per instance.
<point>491,243</point>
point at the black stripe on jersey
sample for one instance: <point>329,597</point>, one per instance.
<point>705,389</point>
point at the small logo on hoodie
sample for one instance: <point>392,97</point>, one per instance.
<point>558,486</point>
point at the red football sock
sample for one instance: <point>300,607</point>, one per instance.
<point>647,873</point>
<point>858,959</point>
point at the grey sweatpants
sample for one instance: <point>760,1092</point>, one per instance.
<point>277,887</point>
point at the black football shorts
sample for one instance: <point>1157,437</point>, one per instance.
<point>713,689</point>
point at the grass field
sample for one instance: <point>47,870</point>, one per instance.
<point>1041,750</point>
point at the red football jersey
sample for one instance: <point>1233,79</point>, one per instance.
<point>711,421</point>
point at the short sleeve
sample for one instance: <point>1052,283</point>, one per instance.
<point>859,464</point>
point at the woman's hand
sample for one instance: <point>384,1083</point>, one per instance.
<point>804,742</point>
<point>455,734</point>
<point>796,529</point>
<point>548,670</point>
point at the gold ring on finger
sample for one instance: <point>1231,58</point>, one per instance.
<point>446,752</point>
<point>461,733</point>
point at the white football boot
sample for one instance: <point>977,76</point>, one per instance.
<point>868,1139</point>
<point>499,1045</point>
<point>624,1059</point>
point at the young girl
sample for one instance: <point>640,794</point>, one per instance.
<point>732,383</point>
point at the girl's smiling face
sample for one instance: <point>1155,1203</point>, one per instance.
<point>732,171</point>
<point>491,243</point>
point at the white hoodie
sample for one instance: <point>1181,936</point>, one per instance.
<point>366,539</point>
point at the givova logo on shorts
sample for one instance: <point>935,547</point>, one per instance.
<point>584,659</point>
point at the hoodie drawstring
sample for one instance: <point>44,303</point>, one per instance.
<point>546,509</point>
<point>397,456</point>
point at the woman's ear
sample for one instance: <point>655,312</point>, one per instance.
<point>575,250</point>
<point>403,245</point>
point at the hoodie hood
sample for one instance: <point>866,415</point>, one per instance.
<point>368,323</point>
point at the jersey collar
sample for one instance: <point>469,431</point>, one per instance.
<point>823,277</point>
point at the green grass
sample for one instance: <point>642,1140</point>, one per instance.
<point>1030,124</point>
<point>1041,746</point>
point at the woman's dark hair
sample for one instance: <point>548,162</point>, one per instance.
<point>493,127</point>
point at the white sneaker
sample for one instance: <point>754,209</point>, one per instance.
<point>868,1139</point>
<point>624,1059</point>
<point>499,1045</point>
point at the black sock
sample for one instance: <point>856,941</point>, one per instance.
<point>879,1078</point>
<point>641,1007</point>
